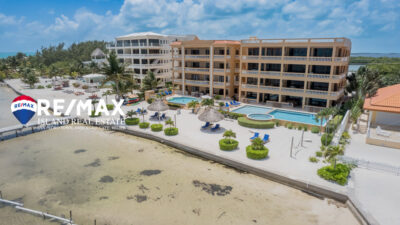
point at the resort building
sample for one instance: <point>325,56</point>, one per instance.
<point>142,52</point>
<point>306,73</point>
<point>384,117</point>
<point>303,73</point>
<point>207,67</point>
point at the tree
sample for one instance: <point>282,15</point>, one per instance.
<point>229,134</point>
<point>94,67</point>
<point>207,102</point>
<point>115,72</point>
<point>169,122</point>
<point>106,94</point>
<point>257,144</point>
<point>131,113</point>
<point>332,151</point>
<point>325,113</point>
<point>30,79</point>
<point>193,104</point>
<point>150,81</point>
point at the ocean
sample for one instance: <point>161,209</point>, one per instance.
<point>6,54</point>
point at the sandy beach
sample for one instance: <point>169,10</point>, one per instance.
<point>120,179</point>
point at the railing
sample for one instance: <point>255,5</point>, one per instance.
<point>311,108</point>
<point>143,55</point>
<point>322,76</point>
<point>293,74</point>
<point>236,83</point>
<point>219,56</point>
<point>219,70</point>
<point>202,82</point>
<point>251,86</point>
<point>341,128</point>
<point>228,56</point>
<point>197,56</point>
<point>250,71</point>
<point>272,88</point>
<point>370,165</point>
<point>294,90</point>
<point>296,58</point>
<point>250,57</point>
<point>237,56</point>
<point>271,57</point>
<point>178,80</point>
<point>271,73</point>
<point>178,68</point>
<point>237,70</point>
<point>177,56</point>
<point>337,93</point>
<point>315,92</point>
<point>217,83</point>
<point>339,77</point>
<point>341,59</point>
<point>191,69</point>
<point>320,59</point>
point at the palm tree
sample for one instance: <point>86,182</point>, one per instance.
<point>257,144</point>
<point>332,151</point>
<point>150,81</point>
<point>324,114</point>
<point>107,93</point>
<point>207,102</point>
<point>115,72</point>
<point>169,122</point>
<point>229,134</point>
<point>193,104</point>
<point>131,113</point>
<point>93,67</point>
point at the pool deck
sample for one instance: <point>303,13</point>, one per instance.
<point>362,184</point>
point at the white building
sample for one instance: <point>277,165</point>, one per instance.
<point>147,51</point>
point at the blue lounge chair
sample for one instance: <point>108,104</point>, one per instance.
<point>236,103</point>
<point>166,92</point>
<point>215,128</point>
<point>206,125</point>
<point>232,103</point>
<point>162,117</point>
<point>226,105</point>
<point>256,134</point>
<point>266,138</point>
<point>138,111</point>
<point>144,111</point>
<point>155,115</point>
<point>170,92</point>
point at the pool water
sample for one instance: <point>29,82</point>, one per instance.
<point>260,116</point>
<point>298,117</point>
<point>182,100</point>
<point>248,109</point>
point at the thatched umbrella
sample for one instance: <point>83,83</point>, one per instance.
<point>211,115</point>
<point>157,105</point>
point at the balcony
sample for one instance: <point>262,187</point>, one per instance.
<point>320,76</point>
<point>178,80</point>
<point>249,57</point>
<point>237,70</point>
<point>320,59</point>
<point>217,83</point>
<point>197,82</point>
<point>269,88</point>
<point>177,56</point>
<point>339,77</point>
<point>141,56</point>
<point>250,86</point>
<point>337,93</point>
<point>288,74</point>
<point>176,68</point>
<point>236,83</point>
<point>271,57</point>
<point>293,90</point>
<point>271,73</point>
<point>316,92</point>
<point>222,70</point>
<point>296,58</point>
<point>219,56</point>
<point>250,72</point>
<point>191,69</point>
<point>341,59</point>
<point>197,56</point>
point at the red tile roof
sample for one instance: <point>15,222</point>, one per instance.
<point>176,43</point>
<point>226,42</point>
<point>387,99</point>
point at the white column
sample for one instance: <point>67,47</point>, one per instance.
<point>211,70</point>
<point>183,69</point>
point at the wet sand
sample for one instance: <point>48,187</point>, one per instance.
<point>120,179</point>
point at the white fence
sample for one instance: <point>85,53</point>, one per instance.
<point>341,128</point>
<point>370,165</point>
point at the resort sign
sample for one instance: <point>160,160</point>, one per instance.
<point>24,108</point>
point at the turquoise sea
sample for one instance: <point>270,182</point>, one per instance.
<point>6,54</point>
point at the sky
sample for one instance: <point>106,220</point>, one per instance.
<point>372,25</point>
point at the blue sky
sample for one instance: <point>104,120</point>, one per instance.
<point>372,25</point>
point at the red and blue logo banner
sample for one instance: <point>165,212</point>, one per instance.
<point>24,108</point>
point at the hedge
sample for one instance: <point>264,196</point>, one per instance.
<point>313,159</point>
<point>226,146</point>
<point>315,130</point>
<point>339,174</point>
<point>144,125</point>
<point>174,105</point>
<point>243,121</point>
<point>40,87</point>
<point>156,127</point>
<point>326,139</point>
<point>334,123</point>
<point>231,114</point>
<point>171,131</point>
<point>110,107</point>
<point>132,121</point>
<point>256,154</point>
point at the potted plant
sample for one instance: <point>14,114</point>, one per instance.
<point>227,143</point>
<point>170,131</point>
<point>193,104</point>
<point>131,120</point>
<point>257,150</point>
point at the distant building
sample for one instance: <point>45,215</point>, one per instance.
<point>147,51</point>
<point>97,56</point>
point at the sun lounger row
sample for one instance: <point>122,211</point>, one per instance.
<point>256,135</point>
<point>208,124</point>
<point>232,103</point>
<point>157,116</point>
<point>140,111</point>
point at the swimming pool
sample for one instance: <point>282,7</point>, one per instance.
<point>249,109</point>
<point>292,116</point>
<point>182,100</point>
<point>261,117</point>
<point>297,117</point>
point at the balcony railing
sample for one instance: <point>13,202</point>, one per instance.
<point>217,83</point>
<point>341,59</point>
<point>286,74</point>
<point>237,70</point>
<point>271,73</point>
<point>219,70</point>
<point>296,58</point>
<point>320,59</point>
<point>177,56</point>
<point>178,68</point>
<point>219,56</point>
<point>315,92</point>
<point>197,56</point>
<point>191,69</point>
<point>250,71</point>
<point>250,57</point>
<point>337,93</point>
<point>294,90</point>
<point>271,57</point>
<point>139,56</point>
<point>321,76</point>
<point>271,88</point>
<point>199,82</point>
<point>178,80</point>
<point>339,77</point>
<point>236,83</point>
<point>250,86</point>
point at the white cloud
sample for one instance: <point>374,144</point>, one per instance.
<point>9,20</point>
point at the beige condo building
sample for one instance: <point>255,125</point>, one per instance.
<point>307,73</point>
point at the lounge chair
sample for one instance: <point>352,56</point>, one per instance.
<point>144,111</point>
<point>138,111</point>
<point>236,103</point>
<point>170,92</point>
<point>215,128</point>
<point>256,134</point>
<point>381,132</point>
<point>206,125</point>
<point>226,105</point>
<point>162,117</point>
<point>166,92</point>
<point>266,138</point>
<point>155,115</point>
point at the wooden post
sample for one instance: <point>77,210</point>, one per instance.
<point>302,137</point>
<point>70,215</point>
<point>95,222</point>
<point>175,119</point>
<point>291,148</point>
<point>1,194</point>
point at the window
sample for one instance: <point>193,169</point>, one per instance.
<point>253,66</point>
<point>322,52</point>
<point>253,51</point>
<point>297,51</point>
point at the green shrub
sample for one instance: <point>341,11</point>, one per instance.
<point>228,144</point>
<point>171,131</point>
<point>221,104</point>
<point>150,100</point>
<point>94,115</point>
<point>174,105</point>
<point>346,135</point>
<point>85,87</point>
<point>339,174</point>
<point>326,139</point>
<point>76,85</point>
<point>48,86</point>
<point>144,125</point>
<point>231,114</point>
<point>217,97</point>
<point>110,107</point>
<point>315,130</point>
<point>243,121</point>
<point>305,128</point>
<point>299,127</point>
<point>40,87</point>
<point>334,123</point>
<point>132,121</point>
<point>277,123</point>
<point>156,127</point>
<point>318,154</point>
<point>290,126</point>
<point>256,154</point>
<point>313,159</point>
